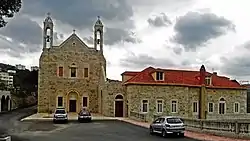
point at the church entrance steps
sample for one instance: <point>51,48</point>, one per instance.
<point>71,117</point>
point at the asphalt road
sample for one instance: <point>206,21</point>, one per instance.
<point>74,131</point>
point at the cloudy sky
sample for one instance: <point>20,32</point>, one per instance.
<point>182,34</point>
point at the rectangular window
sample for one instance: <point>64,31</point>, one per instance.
<point>85,102</point>
<point>210,107</point>
<point>159,106</point>
<point>174,106</point>
<point>159,75</point>
<point>73,71</point>
<point>59,101</point>
<point>221,108</point>
<point>236,107</point>
<point>60,71</point>
<point>195,107</point>
<point>144,106</point>
<point>208,81</point>
<point>86,72</point>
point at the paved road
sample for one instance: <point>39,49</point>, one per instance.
<point>74,131</point>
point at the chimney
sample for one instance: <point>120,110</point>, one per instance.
<point>215,73</point>
<point>202,75</point>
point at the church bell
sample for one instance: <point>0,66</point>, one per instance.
<point>48,39</point>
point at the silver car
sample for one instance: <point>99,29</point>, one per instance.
<point>60,115</point>
<point>167,125</point>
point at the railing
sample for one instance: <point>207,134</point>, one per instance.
<point>237,128</point>
<point>138,116</point>
<point>234,128</point>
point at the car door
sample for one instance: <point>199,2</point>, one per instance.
<point>158,125</point>
<point>161,124</point>
<point>155,124</point>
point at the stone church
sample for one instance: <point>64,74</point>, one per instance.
<point>73,75</point>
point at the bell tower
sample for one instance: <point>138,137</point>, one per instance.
<point>98,35</point>
<point>48,32</point>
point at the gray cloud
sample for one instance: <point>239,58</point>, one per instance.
<point>237,64</point>
<point>24,30</point>
<point>11,48</point>
<point>113,36</point>
<point>196,29</point>
<point>81,14</point>
<point>159,20</point>
<point>89,40</point>
<point>144,60</point>
<point>177,50</point>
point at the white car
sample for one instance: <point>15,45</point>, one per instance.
<point>60,115</point>
<point>167,125</point>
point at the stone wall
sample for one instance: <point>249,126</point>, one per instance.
<point>110,90</point>
<point>185,97</point>
<point>231,96</point>
<point>50,85</point>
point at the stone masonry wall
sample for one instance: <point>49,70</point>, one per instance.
<point>51,85</point>
<point>185,97</point>
<point>111,89</point>
<point>231,96</point>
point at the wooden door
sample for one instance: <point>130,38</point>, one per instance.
<point>72,105</point>
<point>118,108</point>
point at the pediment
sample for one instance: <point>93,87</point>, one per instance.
<point>73,42</point>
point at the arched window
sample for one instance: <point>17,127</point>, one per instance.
<point>222,106</point>
<point>119,97</point>
<point>73,70</point>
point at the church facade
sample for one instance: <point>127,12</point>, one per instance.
<point>73,75</point>
<point>70,75</point>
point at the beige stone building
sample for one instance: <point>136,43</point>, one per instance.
<point>189,94</point>
<point>73,75</point>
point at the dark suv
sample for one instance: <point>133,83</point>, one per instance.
<point>84,115</point>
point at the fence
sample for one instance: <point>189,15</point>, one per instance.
<point>233,128</point>
<point>236,128</point>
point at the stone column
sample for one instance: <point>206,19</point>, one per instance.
<point>9,104</point>
<point>203,104</point>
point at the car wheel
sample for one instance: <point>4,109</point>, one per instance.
<point>181,135</point>
<point>151,131</point>
<point>163,133</point>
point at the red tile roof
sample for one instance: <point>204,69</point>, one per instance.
<point>130,73</point>
<point>179,77</point>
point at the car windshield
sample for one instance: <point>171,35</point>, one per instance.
<point>84,112</point>
<point>174,120</point>
<point>60,111</point>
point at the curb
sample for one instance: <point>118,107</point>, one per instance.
<point>50,119</point>
<point>132,123</point>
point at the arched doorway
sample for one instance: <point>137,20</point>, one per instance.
<point>72,101</point>
<point>119,106</point>
<point>3,103</point>
<point>7,103</point>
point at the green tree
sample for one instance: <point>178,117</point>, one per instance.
<point>7,10</point>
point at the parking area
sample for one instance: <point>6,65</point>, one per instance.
<point>93,131</point>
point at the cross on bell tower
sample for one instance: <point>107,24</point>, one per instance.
<point>48,32</point>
